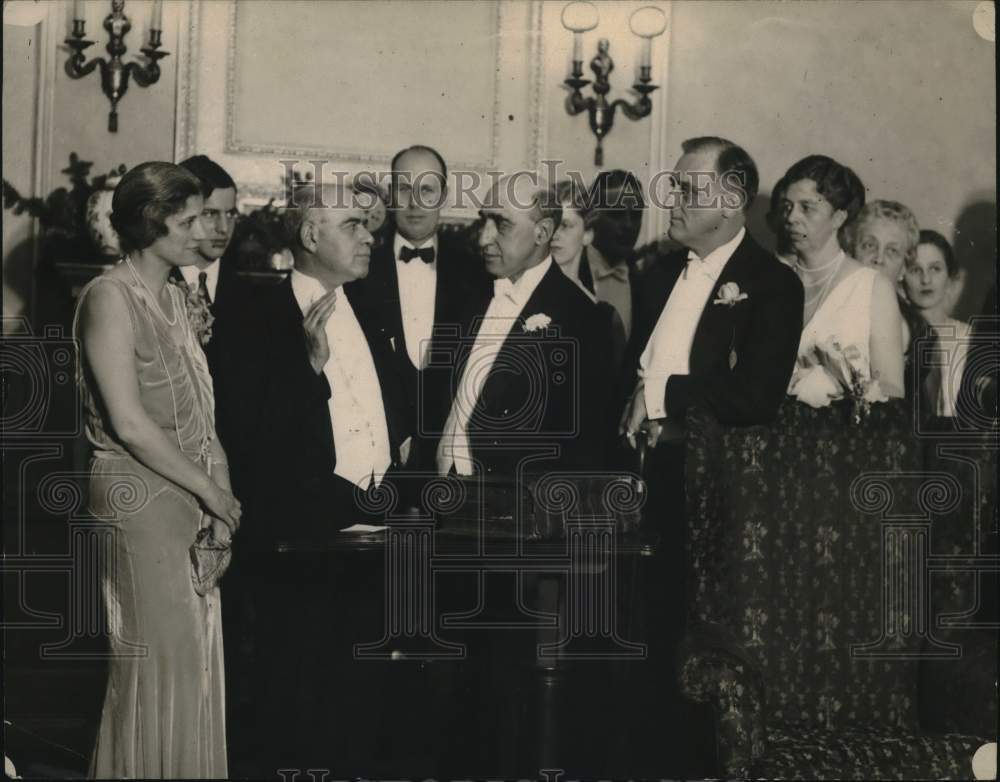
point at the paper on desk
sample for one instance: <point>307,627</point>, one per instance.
<point>364,528</point>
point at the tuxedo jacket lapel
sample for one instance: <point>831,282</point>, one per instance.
<point>289,331</point>
<point>224,288</point>
<point>291,372</point>
<point>385,289</point>
<point>717,327</point>
<point>715,334</point>
<point>444,279</point>
<point>383,286</point>
<point>545,300</point>
<point>471,323</point>
<point>652,296</point>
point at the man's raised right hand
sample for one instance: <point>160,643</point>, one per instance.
<point>314,327</point>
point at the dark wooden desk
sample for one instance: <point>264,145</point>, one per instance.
<point>445,653</point>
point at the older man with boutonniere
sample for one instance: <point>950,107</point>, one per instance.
<point>531,377</point>
<point>719,327</point>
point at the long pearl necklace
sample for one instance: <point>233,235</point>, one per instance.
<point>803,268</point>
<point>825,282</point>
<point>153,296</point>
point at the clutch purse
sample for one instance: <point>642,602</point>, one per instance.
<point>209,561</point>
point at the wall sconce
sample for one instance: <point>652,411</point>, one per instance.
<point>115,73</point>
<point>580,17</point>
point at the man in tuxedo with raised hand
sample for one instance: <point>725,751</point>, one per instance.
<point>418,282</point>
<point>317,423</point>
<point>316,414</point>
<point>534,378</point>
<point>719,326</point>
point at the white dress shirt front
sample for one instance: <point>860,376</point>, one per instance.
<point>417,287</point>
<point>668,351</point>
<point>357,412</point>
<point>192,272</point>
<point>506,305</point>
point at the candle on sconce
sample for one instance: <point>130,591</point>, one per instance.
<point>648,23</point>
<point>647,53</point>
<point>156,18</point>
<point>78,11</point>
<point>579,17</point>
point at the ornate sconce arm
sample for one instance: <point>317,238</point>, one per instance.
<point>115,73</point>
<point>643,105</point>
<point>575,102</point>
<point>147,74</point>
<point>77,65</point>
<point>580,17</point>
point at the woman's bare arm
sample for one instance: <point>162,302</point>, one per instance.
<point>108,347</point>
<point>886,340</point>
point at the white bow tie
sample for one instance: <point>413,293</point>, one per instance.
<point>696,263</point>
<point>502,286</point>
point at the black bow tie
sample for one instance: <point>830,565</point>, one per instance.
<point>425,254</point>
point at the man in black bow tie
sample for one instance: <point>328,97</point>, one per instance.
<point>418,283</point>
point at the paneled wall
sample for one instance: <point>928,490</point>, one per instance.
<point>904,92</point>
<point>20,93</point>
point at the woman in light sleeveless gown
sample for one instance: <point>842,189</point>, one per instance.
<point>929,279</point>
<point>846,303</point>
<point>157,472</point>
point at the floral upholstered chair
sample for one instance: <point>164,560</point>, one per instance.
<point>810,616</point>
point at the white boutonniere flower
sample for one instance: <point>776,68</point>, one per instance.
<point>536,322</point>
<point>729,294</point>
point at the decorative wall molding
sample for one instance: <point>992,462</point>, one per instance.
<point>235,145</point>
<point>50,35</point>
<point>537,80</point>
<point>661,156</point>
<point>188,43</point>
<point>208,112</point>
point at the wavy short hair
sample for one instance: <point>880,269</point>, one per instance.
<point>307,197</point>
<point>927,236</point>
<point>568,192</point>
<point>146,196</point>
<point>892,211</point>
<point>837,183</point>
